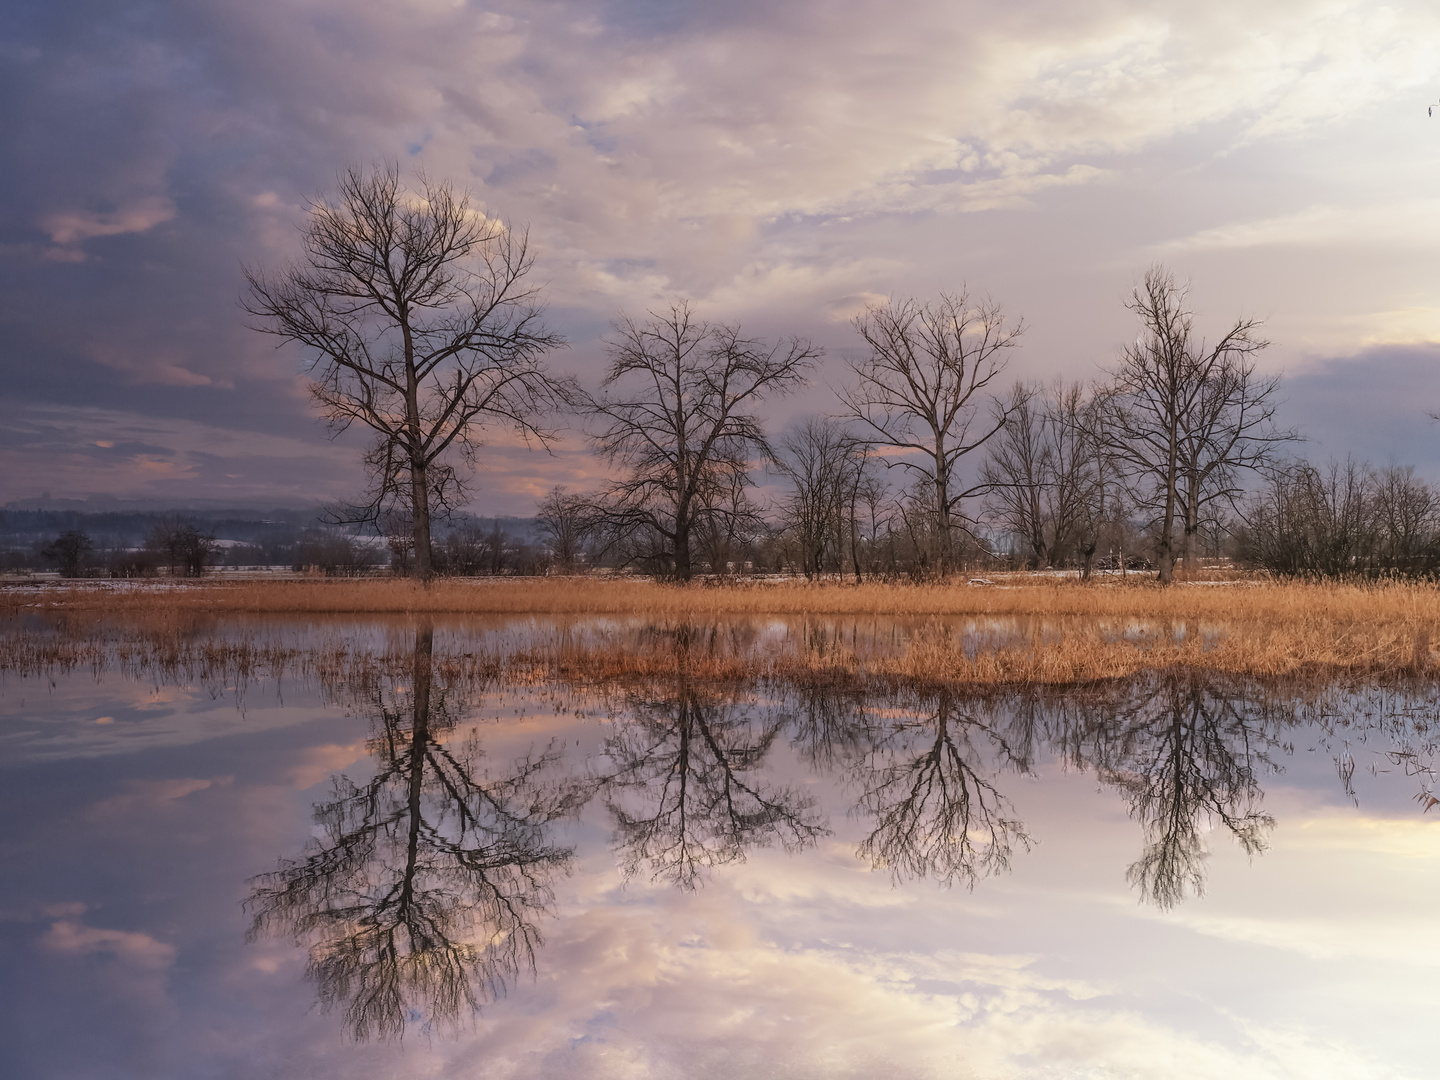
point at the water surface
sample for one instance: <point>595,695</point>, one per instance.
<point>407,870</point>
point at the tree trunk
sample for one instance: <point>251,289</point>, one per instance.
<point>1039,559</point>
<point>683,570</point>
<point>854,543</point>
<point>1166,546</point>
<point>1192,522</point>
<point>942,518</point>
<point>420,521</point>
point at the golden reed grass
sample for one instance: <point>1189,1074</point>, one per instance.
<point>1012,595</point>
<point>1036,633</point>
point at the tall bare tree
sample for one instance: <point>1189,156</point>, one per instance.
<point>420,323</point>
<point>1181,416</point>
<point>1231,431</point>
<point>676,415</point>
<point>919,392</point>
<point>1186,751</point>
<point>689,790</point>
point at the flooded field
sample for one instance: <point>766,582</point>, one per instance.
<point>531,847</point>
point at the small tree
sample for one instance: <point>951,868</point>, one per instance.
<point>563,523</point>
<point>919,393</point>
<point>675,415</point>
<point>70,551</point>
<point>420,324</point>
<point>333,554</point>
<point>824,463</point>
<point>181,547</point>
<point>1044,474</point>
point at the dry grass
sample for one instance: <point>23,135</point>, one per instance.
<point>1011,595</point>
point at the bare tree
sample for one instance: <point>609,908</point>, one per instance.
<point>1230,431</point>
<point>689,790</point>
<point>1181,748</point>
<point>1092,481</point>
<point>420,324</point>
<point>71,552</point>
<point>918,392</point>
<point>824,464</point>
<point>871,513</point>
<point>562,521</point>
<point>181,546</point>
<point>1043,473</point>
<point>1180,417</point>
<point>935,811</point>
<point>675,413</point>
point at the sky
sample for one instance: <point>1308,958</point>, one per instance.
<point>780,165</point>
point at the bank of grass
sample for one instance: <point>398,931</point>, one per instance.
<point>1236,597</point>
<point>1020,631</point>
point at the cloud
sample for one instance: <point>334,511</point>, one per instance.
<point>316,764</point>
<point>1409,223</point>
<point>766,160</point>
<point>61,450</point>
<point>75,939</point>
<point>74,226</point>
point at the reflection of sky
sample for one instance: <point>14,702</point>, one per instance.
<point>126,859</point>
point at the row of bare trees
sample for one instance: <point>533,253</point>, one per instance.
<point>1166,439</point>
<point>1341,520</point>
<point>421,324</point>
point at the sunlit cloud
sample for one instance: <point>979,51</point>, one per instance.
<point>74,226</point>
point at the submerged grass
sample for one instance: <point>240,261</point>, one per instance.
<point>1047,634</point>
<point>1049,631</point>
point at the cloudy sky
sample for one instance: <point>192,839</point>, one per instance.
<point>780,164</point>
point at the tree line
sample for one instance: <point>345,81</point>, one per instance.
<point>420,322</point>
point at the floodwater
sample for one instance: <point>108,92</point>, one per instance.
<point>406,873</point>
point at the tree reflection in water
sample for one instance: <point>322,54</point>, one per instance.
<point>926,784</point>
<point>684,784</point>
<point>420,898</point>
<point>1185,749</point>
